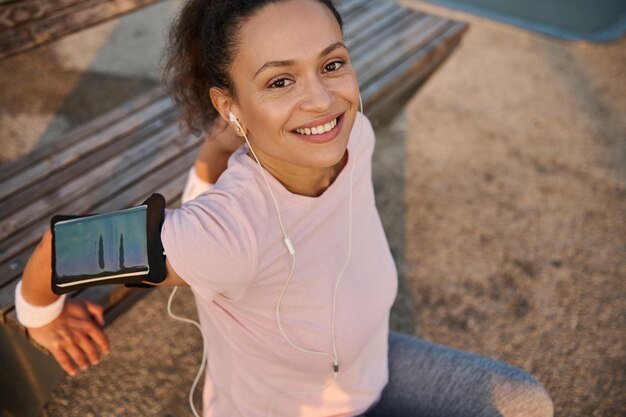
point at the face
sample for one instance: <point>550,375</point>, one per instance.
<point>296,93</point>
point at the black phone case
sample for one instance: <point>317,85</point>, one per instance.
<point>156,259</point>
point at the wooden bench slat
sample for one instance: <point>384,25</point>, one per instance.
<point>161,180</point>
<point>386,104</point>
<point>357,8</point>
<point>348,7</point>
<point>422,63</point>
<point>101,189</point>
<point>103,121</point>
<point>80,149</point>
<point>57,22</point>
<point>7,299</point>
<point>129,162</point>
<point>15,13</point>
<point>48,184</point>
<point>351,30</point>
<point>382,39</point>
<point>389,54</point>
<point>139,141</point>
<point>385,24</point>
<point>376,12</point>
<point>390,26</point>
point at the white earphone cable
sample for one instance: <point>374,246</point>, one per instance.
<point>204,349</point>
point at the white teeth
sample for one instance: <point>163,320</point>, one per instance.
<point>318,130</point>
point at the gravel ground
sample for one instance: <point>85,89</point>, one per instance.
<point>502,188</point>
<point>515,223</point>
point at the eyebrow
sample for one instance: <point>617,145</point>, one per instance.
<point>290,62</point>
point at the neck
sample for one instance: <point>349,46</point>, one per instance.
<point>310,182</point>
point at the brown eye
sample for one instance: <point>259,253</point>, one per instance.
<point>333,66</point>
<point>281,83</point>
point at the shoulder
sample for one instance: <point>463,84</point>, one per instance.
<point>209,241</point>
<point>218,216</point>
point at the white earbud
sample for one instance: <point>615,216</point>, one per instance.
<point>234,120</point>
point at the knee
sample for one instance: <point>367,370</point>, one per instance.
<point>522,398</point>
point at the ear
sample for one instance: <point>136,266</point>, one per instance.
<point>224,103</point>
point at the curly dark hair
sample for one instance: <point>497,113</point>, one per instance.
<point>201,45</point>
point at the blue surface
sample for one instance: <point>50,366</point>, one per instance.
<point>594,21</point>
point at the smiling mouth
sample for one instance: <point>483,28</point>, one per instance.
<point>318,130</point>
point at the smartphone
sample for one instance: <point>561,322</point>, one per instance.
<point>105,248</point>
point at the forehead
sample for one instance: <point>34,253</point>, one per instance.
<point>287,30</point>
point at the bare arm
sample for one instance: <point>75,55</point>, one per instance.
<point>76,336</point>
<point>214,153</point>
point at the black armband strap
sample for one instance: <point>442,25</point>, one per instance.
<point>119,247</point>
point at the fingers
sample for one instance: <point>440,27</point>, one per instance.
<point>77,355</point>
<point>101,340</point>
<point>79,346</point>
<point>64,360</point>
<point>87,346</point>
<point>95,334</point>
<point>96,311</point>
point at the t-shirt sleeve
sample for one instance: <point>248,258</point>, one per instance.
<point>194,186</point>
<point>209,248</point>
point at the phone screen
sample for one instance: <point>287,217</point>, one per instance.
<point>101,247</point>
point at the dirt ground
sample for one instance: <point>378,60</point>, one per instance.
<point>502,188</point>
<point>515,199</point>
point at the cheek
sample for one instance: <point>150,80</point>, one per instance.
<point>269,119</point>
<point>347,88</point>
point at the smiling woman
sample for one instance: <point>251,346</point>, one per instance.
<point>291,336</point>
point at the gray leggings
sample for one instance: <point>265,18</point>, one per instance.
<point>430,380</point>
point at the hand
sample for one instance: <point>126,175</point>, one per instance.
<point>75,336</point>
<point>222,138</point>
<point>217,147</point>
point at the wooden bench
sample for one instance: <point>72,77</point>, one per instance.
<point>121,157</point>
<point>27,24</point>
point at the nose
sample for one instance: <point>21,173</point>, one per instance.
<point>318,96</point>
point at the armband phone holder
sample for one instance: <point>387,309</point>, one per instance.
<point>118,247</point>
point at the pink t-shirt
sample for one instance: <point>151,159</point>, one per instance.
<point>228,246</point>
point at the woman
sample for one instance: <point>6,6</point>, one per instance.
<point>285,254</point>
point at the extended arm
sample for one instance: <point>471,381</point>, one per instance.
<point>76,336</point>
